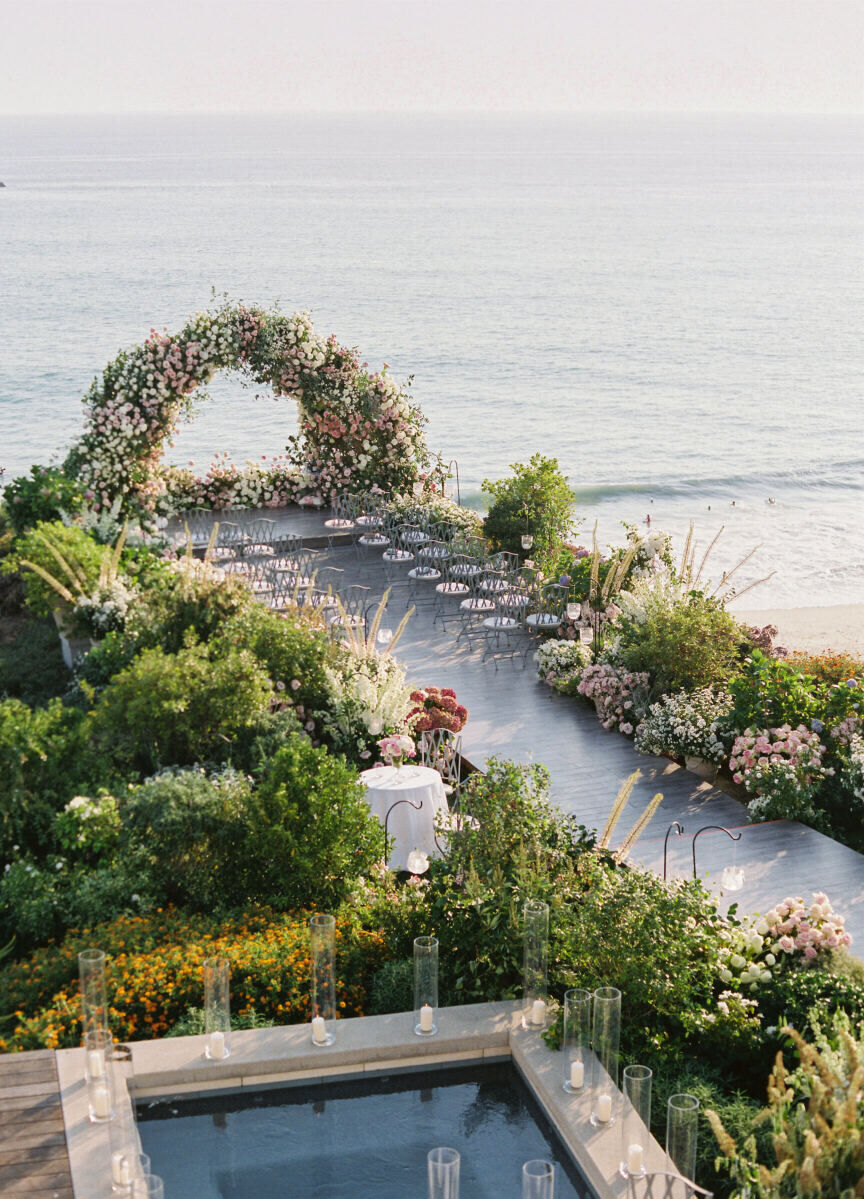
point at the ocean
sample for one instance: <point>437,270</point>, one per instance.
<point>671,306</point>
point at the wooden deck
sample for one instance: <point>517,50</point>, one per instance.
<point>33,1157</point>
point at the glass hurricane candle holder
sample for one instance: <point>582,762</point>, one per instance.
<point>322,944</point>
<point>217,1009</point>
<point>635,1120</point>
<point>123,1146</point>
<point>534,964</point>
<point>94,1004</point>
<point>425,986</point>
<point>442,1167</point>
<point>148,1186</point>
<point>605,1038</point>
<point>682,1129</point>
<point>97,1046</point>
<point>100,1095</point>
<point>538,1180</point>
<point>576,1039</point>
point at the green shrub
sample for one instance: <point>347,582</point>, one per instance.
<point>186,595</point>
<point>193,1024</point>
<point>536,499</point>
<point>690,645</point>
<point>392,988</point>
<point>46,757</point>
<point>768,694</point>
<point>31,665</point>
<point>292,650</point>
<point>179,709</point>
<point>186,829</point>
<point>41,496</point>
<point>79,551</point>
<point>310,831</point>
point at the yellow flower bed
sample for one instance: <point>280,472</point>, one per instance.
<point>154,974</point>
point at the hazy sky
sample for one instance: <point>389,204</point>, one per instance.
<point>288,55</point>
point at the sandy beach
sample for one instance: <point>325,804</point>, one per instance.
<point>836,627</point>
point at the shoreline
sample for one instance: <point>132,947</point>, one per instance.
<point>838,627</point>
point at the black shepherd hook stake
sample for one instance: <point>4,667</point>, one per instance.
<point>720,829</point>
<point>679,833</point>
<point>416,806</point>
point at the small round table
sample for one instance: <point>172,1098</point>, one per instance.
<point>410,828</point>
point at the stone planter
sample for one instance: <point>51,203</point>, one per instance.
<point>705,770</point>
<point>75,648</point>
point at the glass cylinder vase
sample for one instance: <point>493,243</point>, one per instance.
<point>322,944</point>
<point>217,1009</point>
<point>425,986</point>
<point>442,1167</point>
<point>682,1129</point>
<point>535,959</point>
<point>538,1180</point>
<point>635,1120</point>
<point>100,1076</point>
<point>148,1186</point>
<point>123,1147</point>
<point>605,1038</point>
<point>94,1003</point>
<point>576,1039</point>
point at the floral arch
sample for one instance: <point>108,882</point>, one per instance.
<point>358,430</point>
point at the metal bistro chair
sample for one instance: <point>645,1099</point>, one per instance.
<point>442,751</point>
<point>398,556</point>
<point>321,596</point>
<point>229,542</point>
<point>506,628</point>
<point>294,571</point>
<point>412,535</point>
<point>504,560</point>
<point>478,606</point>
<point>196,525</point>
<point>423,577</point>
<point>354,609</point>
<point>454,587</point>
<point>345,510</point>
<point>547,610</point>
<point>370,511</point>
<point>258,537</point>
<point>377,536</point>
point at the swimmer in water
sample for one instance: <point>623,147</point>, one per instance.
<point>648,519</point>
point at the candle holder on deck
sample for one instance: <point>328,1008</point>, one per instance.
<point>442,1166</point>
<point>576,1039</point>
<point>217,1009</point>
<point>425,986</point>
<point>94,1003</point>
<point>322,941</point>
<point>682,1129</point>
<point>534,964</point>
<point>635,1120</point>
<point>605,1038</point>
<point>538,1180</point>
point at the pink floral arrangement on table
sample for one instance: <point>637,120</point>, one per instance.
<point>795,927</point>
<point>618,695</point>
<point>396,747</point>
<point>436,708</point>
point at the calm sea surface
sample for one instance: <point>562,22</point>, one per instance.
<point>671,306</point>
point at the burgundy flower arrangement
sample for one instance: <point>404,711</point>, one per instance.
<point>436,708</point>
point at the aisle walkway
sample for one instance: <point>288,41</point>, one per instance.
<point>516,716</point>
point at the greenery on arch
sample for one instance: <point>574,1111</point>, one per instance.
<point>359,430</point>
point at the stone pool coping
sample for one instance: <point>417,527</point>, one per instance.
<point>369,1045</point>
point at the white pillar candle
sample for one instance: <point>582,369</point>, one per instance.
<point>217,1045</point>
<point>538,1012</point>
<point>577,1075</point>
<point>100,1101</point>
<point>427,1018</point>
<point>96,1062</point>
<point>635,1162</point>
<point>121,1171</point>
<point>604,1108</point>
<point>319,1030</point>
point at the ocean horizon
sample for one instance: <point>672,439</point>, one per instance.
<point>670,305</point>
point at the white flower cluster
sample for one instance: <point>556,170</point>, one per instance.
<point>560,659</point>
<point>854,771</point>
<point>369,696</point>
<point>686,725</point>
<point>649,595</point>
<point>746,958</point>
<point>105,610</point>
<point>434,508</point>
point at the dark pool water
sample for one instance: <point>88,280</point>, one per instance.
<point>356,1140</point>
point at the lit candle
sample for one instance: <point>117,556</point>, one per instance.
<point>604,1108</point>
<point>427,1018</point>
<point>100,1101</point>
<point>538,1012</point>
<point>217,1045</point>
<point>121,1172</point>
<point>635,1164</point>
<point>319,1030</point>
<point>96,1062</point>
<point>577,1075</point>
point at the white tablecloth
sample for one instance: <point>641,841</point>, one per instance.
<point>409,828</point>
